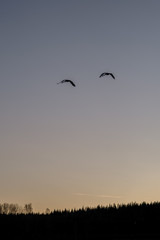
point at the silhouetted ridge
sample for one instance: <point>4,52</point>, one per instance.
<point>132,221</point>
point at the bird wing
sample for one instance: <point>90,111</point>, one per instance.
<point>72,83</point>
<point>103,74</point>
<point>59,82</point>
<point>112,75</point>
<point>63,81</point>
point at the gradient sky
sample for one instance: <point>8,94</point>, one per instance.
<point>96,144</point>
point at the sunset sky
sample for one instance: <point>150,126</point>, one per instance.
<point>95,144</point>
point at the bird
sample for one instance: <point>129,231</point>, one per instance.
<point>107,73</point>
<point>67,80</point>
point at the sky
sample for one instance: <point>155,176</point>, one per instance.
<point>93,144</point>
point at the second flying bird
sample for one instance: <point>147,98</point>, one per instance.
<point>67,80</point>
<point>107,73</point>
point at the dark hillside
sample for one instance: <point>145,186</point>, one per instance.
<point>130,221</point>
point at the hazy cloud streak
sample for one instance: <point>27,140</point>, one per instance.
<point>96,195</point>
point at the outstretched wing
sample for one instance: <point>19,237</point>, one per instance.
<point>73,84</point>
<point>60,82</point>
<point>112,75</point>
<point>103,74</point>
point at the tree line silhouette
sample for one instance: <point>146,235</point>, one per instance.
<point>11,208</point>
<point>130,221</point>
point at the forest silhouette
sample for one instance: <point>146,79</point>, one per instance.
<point>125,221</point>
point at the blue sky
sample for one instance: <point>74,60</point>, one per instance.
<point>64,147</point>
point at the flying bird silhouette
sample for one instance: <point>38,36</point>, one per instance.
<point>107,73</point>
<point>67,80</point>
